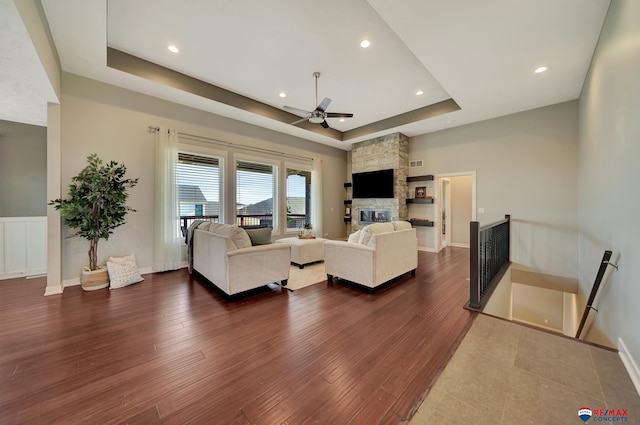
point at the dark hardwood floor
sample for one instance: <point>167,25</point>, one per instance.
<point>171,350</point>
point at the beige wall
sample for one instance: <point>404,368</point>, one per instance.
<point>609,176</point>
<point>500,303</point>
<point>460,209</point>
<point>538,306</point>
<point>526,165</point>
<point>113,123</point>
<point>23,170</point>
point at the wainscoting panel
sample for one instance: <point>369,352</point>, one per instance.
<point>23,246</point>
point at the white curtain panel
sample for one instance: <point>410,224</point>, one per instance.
<point>316,197</point>
<point>167,252</point>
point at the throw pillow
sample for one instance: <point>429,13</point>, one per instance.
<point>237,234</point>
<point>365,235</point>
<point>240,237</point>
<point>354,237</point>
<point>381,227</point>
<point>123,271</point>
<point>374,229</point>
<point>205,226</point>
<point>261,236</point>
<point>401,225</point>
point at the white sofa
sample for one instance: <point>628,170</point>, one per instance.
<point>374,255</point>
<point>224,255</point>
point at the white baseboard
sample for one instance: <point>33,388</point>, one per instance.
<point>13,275</point>
<point>76,280</point>
<point>71,282</point>
<point>24,273</point>
<point>52,290</point>
<point>426,249</point>
<point>460,245</point>
<point>630,364</point>
<point>145,270</point>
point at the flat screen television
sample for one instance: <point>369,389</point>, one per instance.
<point>372,184</point>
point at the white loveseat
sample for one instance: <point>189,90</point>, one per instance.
<point>224,255</point>
<point>374,255</point>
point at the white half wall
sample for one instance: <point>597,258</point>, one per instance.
<point>526,165</point>
<point>23,246</point>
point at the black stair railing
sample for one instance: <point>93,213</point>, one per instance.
<point>489,259</point>
<point>589,308</point>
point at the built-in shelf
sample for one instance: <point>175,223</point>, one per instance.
<point>425,178</point>
<point>347,217</point>
<point>420,222</point>
<point>428,200</point>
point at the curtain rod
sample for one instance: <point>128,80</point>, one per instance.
<point>196,138</point>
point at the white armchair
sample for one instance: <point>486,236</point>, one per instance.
<point>373,255</point>
<point>223,254</point>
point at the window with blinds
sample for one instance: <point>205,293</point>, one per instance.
<point>199,181</point>
<point>255,192</point>
<point>298,198</point>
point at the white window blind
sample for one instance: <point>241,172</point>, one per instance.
<point>199,183</point>
<point>255,191</point>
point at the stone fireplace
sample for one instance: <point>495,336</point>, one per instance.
<point>382,153</point>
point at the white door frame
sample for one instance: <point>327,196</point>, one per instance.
<point>438,202</point>
<point>445,193</point>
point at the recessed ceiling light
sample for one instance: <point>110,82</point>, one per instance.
<point>364,44</point>
<point>419,93</point>
<point>541,69</point>
<point>173,49</point>
<point>341,119</point>
<point>282,94</point>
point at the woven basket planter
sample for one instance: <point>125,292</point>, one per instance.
<point>91,280</point>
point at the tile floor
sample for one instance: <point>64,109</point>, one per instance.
<point>505,374</point>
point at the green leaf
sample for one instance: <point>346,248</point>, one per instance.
<point>96,203</point>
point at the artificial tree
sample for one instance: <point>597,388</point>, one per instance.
<point>97,202</point>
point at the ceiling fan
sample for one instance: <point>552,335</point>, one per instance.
<point>320,114</point>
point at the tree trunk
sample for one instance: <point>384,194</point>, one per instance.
<point>93,254</point>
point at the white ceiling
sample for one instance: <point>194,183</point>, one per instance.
<point>24,87</point>
<point>480,53</point>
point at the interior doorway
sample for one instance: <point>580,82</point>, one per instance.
<point>455,208</point>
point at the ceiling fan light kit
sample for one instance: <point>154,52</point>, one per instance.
<point>319,114</point>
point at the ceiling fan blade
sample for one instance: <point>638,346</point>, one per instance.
<point>325,124</point>
<point>299,121</point>
<point>338,115</point>
<point>322,106</point>
<point>297,110</point>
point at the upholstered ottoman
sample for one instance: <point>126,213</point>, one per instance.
<point>305,251</point>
